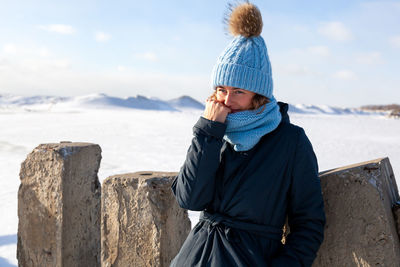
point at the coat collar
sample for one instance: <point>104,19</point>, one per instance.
<point>283,108</point>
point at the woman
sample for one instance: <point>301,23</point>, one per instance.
<point>248,167</point>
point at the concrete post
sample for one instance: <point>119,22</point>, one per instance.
<point>59,206</point>
<point>360,229</point>
<point>141,222</point>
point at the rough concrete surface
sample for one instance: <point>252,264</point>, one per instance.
<point>141,224</point>
<point>360,229</point>
<point>396,213</point>
<point>59,206</point>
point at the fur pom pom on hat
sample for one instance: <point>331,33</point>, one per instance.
<point>245,20</point>
<point>244,63</point>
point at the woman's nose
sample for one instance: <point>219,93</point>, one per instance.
<point>228,99</point>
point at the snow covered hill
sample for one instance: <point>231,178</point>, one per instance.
<point>94,101</point>
<point>324,109</point>
<point>185,102</point>
<point>10,103</point>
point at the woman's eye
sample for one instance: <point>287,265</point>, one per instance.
<point>239,92</point>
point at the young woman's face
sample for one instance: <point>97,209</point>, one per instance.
<point>236,99</point>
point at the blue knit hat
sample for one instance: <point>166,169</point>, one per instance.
<point>245,63</point>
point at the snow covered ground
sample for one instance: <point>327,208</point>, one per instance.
<point>157,140</point>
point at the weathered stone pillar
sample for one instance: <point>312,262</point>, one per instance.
<point>360,229</point>
<point>141,222</point>
<point>396,213</point>
<point>59,206</point>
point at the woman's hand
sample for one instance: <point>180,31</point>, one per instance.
<point>216,111</point>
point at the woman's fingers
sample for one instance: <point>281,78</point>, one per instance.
<point>215,110</point>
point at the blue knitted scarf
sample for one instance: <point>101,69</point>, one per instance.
<point>245,128</point>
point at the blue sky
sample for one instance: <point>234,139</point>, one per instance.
<point>340,53</point>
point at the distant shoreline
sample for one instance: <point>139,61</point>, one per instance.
<point>393,110</point>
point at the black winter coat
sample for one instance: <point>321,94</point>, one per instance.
<point>245,198</point>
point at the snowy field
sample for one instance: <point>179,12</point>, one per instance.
<point>148,140</point>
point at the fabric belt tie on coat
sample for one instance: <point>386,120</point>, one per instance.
<point>267,231</point>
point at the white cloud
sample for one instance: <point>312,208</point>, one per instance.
<point>296,60</point>
<point>25,51</point>
<point>102,37</point>
<point>336,31</point>
<point>37,65</point>
<point>319,50</point>
<point>59,63</point>
<point>10,49</point>
<point>370,58</point>
<point>44,52</point>
<point>36,70</point>
<point>58,28</point>
<point>42,77</point>
<point>4,64</point>
<point>148,56</point>
<point>21,59</point>
<point>346,75</point>
<point>295,69</point>
<point>121,68</point>
<point>395,41</point>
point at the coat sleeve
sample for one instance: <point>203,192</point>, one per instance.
<point>306,216</point>
<point>194,185</point>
